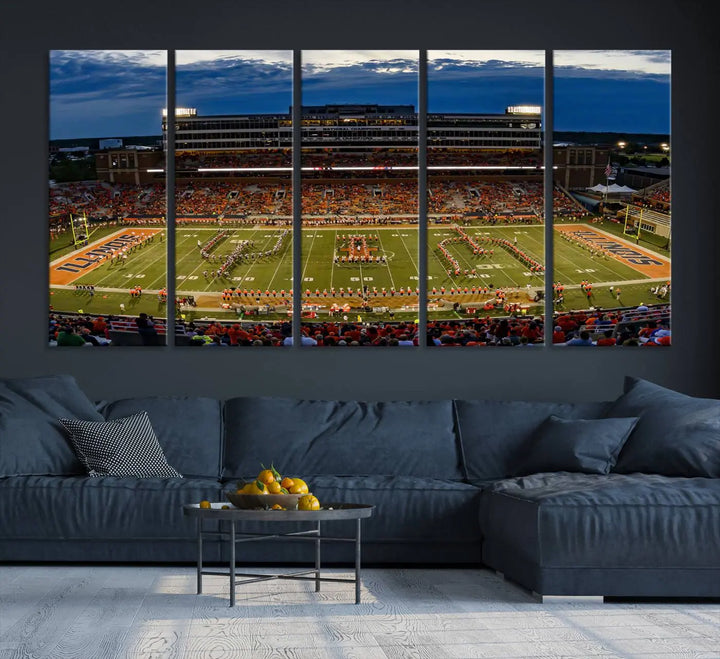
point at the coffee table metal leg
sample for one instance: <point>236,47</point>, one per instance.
<point>357,561</point>
<point>199,555</point>
<point>317,560</point>
<point>232,562</point>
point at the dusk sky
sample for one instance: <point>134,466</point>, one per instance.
<point>121,93</point>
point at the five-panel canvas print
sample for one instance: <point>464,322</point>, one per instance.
<point>410,163</point>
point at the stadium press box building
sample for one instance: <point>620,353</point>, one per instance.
<point>359,129</point>
<point>340,128</point>
<point>345,126</point>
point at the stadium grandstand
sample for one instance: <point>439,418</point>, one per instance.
<point>622,327</point>
<point>359,201</point>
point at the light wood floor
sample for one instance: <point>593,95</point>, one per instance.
<point>154,613</point>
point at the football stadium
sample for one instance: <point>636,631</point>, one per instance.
<point>359,196</point>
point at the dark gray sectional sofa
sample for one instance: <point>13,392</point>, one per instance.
<point>442,474</point>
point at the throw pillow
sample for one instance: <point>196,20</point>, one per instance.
<point>32,441</point>
<point>56,395</point>
<point>494,433</point>
<point>677,435</point>
<point>121,447</point>
<point>589,446</point>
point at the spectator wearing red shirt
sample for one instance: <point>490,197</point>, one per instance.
<point>606,339</point>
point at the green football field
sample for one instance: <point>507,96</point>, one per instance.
<point>146,267</point>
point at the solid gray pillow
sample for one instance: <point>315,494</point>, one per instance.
<point>677,435</point>
<point>588,446</point>
<point>494,433</point>
<point>56,395</point>
<point>32,441</point>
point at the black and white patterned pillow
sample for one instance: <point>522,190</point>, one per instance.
<point>121,447</point>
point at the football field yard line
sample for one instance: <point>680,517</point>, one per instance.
<point>131,262</point>
<point>412,260</point>
<point>163,276</point>
<point>280,260</point>
<point>112,274</point>
<point>387,261</point>
<point>188,254</point>
<point>539,255</point>
<point>563,255</point>
<point>307,260</point>
<point>334,255</point>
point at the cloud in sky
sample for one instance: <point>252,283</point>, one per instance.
<point>360,77</point>
<point>115,93</point>
<point>234,82</point>
<point>106,93</point>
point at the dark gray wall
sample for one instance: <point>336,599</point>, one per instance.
<point>29,29</point>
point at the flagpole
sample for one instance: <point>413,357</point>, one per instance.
<point>607,183</point>
<point>608,171</point>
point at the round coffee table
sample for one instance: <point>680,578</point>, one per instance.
<point>330,512</point>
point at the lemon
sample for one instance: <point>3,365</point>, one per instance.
<point>205,504</point>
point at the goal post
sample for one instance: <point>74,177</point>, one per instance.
<point>632,224</point>
<point>80,231</point>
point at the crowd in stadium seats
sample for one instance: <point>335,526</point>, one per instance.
<point>188,161</point>
<point>642,326</point>
<point>656,198</point>
<point>570,329</point>
<point>491,201</point>
<point>70,330</point>
<point>206,198</point>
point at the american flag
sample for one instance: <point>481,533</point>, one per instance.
<point>608,169</point>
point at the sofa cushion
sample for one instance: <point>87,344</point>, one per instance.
<point>121,447</point>
<point>32,440</point>
<point>102,509</point>
<point>311,437</point>
<point>494,434</point>
<point>677,435</point>
<point>589,446</point>
<point>56,395</point>
<point>189,429</point>
<point>590,521</point>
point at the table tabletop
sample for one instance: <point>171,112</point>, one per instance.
<point>329,511</point>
